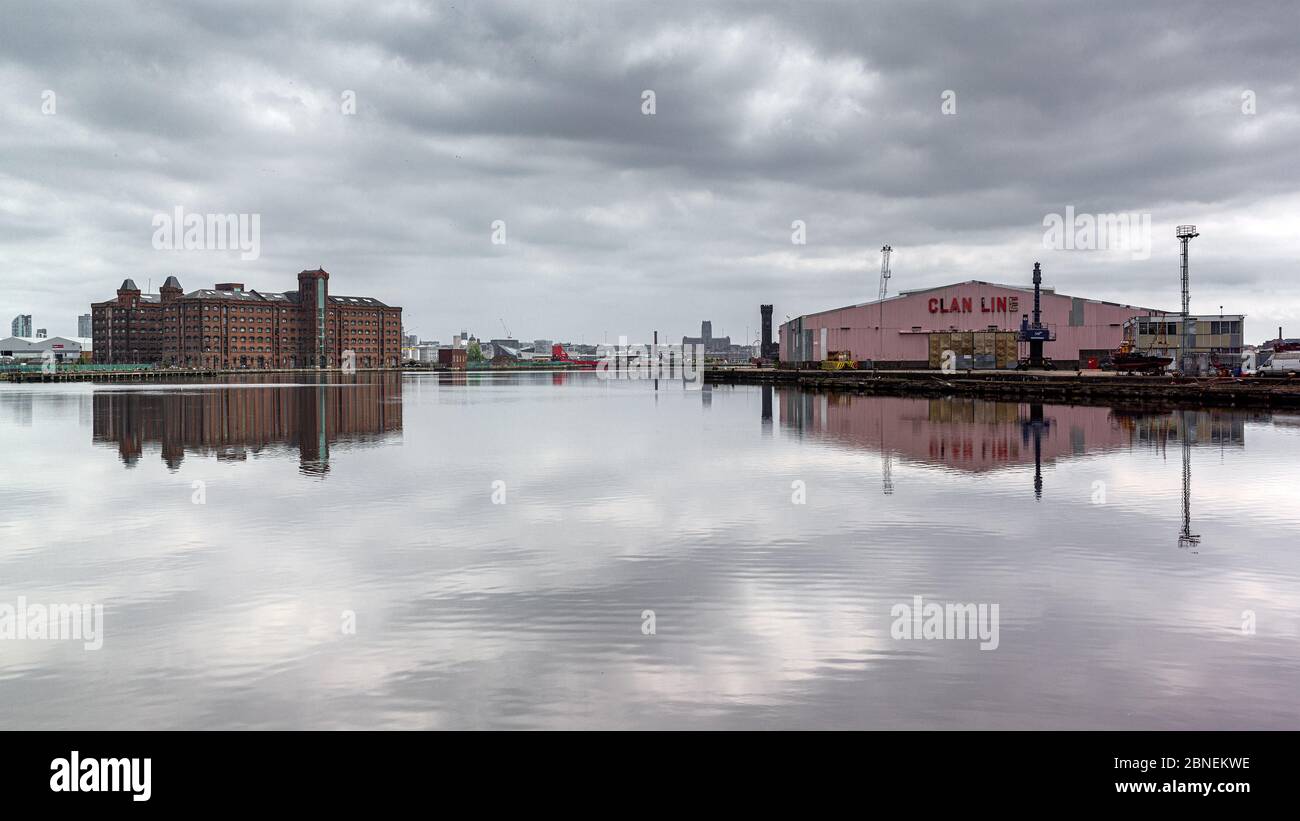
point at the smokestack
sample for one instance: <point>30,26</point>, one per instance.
<point>765,350</point>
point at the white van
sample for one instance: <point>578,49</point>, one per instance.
<point>1285,362</point>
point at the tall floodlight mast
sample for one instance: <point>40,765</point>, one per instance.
<point>885,251</point>
<point>884,270</point>
<point>1185,234</point>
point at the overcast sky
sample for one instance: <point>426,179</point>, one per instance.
<point>622,222</point>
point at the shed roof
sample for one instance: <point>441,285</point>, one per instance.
<point>1047,291</point>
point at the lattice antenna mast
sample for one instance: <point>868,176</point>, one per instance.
<point>884,270</point>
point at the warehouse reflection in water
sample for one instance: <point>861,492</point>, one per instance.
<point>230,422</point>
<point>623,498</point>
<point>977,436</point>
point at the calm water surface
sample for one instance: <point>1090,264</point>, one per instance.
<point>375,496</point>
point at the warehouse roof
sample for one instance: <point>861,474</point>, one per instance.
<point>42,342</point>
<point>1045,289</point>
<point>367,301</point>
<point>1023,288</point>
<point>245,296</point>
<point>286,297</point>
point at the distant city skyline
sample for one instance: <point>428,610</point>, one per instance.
<point>24,326</point>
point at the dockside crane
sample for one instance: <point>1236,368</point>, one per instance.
<point>1035,332</point>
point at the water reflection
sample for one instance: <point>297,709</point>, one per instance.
<point>1189,428</point>
<point>976,435</point>
<point>229,422</point>
<point>528,614</point>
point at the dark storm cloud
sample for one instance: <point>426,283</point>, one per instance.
<point>619,222</point>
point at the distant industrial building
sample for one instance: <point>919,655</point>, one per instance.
<point>21,326</point>
<point>1217,340</point>
<point>32,350</point>
<point>502,354</point>
<point>420,351</point>
<point>454,358</point>
<point>413,350</point>
<point>915,328</point>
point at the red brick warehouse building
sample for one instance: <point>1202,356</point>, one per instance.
<point>229,327</point>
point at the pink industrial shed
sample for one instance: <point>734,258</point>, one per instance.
<point>895,332</point>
